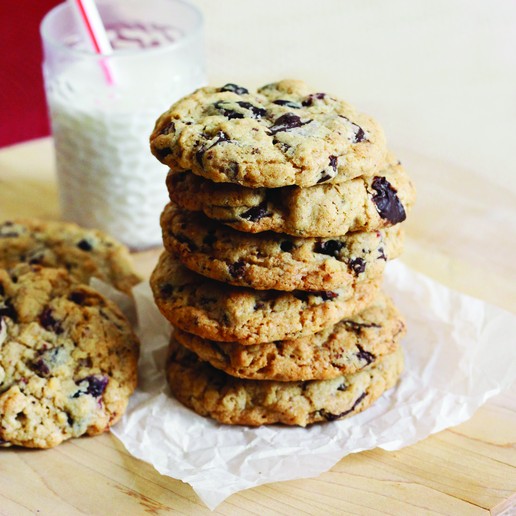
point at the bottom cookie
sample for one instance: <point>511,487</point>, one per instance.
<point>234,401</point>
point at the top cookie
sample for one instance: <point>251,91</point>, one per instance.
<point>285,134</point>
<point>85,253</point>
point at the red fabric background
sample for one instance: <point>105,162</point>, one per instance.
<point>23,111</point>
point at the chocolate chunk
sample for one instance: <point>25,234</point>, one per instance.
<point>287,246</point>
<point>95,386</point>
<point>342,387</point>
<point>324,178</point>
<point>7,310</point>
<point>47,360</point>
<point>329,247</point>
<point>387,201</point>
<point>225,109</point>
<point>166,290</point>
<point>220,137</point>
<point>183,239</point>
<point>2,290</point>
<point>209,239</point>
<point>309,101</point>
<point>40,367</point>
<point>256,213</point>
<point>48,321</point>
<point>237,269</point>
<point>169,128</point>
<point>285,123</point>
<point>358,265</point>
<point>327,295</point>
<point>77,297</point>
<point>365,355</point>
<point>358,132</point>
<point>333,162</point>
<point>84,245</point>
<point>357,327</point>
<point>381,254</point>
<point>332,417</point>
<point>288,103</point>
<point>239,90</point>
<point>162,153</point>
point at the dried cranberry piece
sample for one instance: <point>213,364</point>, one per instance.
<point>48,321</point>
<point>288,103</point>
<point>357,265</point>
<point>84,245</point>
<point>285,123</point>
<point>329,247</point>
<point>234,88</point>
<point>387,201</point>
<point>237,269</point>
<point>255,213</point>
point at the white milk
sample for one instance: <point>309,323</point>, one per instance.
<point>108,178</point>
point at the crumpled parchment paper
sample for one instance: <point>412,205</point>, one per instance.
<point>459,352</point>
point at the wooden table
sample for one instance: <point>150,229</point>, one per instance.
<point>455,236</point>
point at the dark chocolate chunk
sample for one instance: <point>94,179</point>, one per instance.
<point>166,290</point>
<point>169,128</point>
<point>287,246</point>
<point>40,367</point>
<point>234,88</point>
<point>162,153</point>
<point>358,265</point>
<point>95,385</point>
<point>225,109</point>
<point>77,297</point>
<point>358,132</point>
<point>327,295</point>
<point>387,201</point>
<point>237,269</point>
<point>256,213</point>
<point>2,290</point>
<point>365,355</point>
<point>220,137</point>
<point>381,254</point>
<point>288,103</point>
<point>84,245</point>
<point>329,247</point>
<point>333,162</point>
<point>309,101</point>
<point>342,387</point>
<point>7,310</point>
<point>357,327</point>
<point>286,122</point>
<point>324,178</point>
<point>332,417</point>
<point>48,321</point>
<point>183,239</point>
<point>209,239</point>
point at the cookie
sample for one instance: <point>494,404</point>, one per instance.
<point>345,348</point>
<point>363,204</point>
<point>234,401</point>
<point>274,261</point>
<point>285,134</point>
<point>68,358</point>
<point>220,312</point>
<point>85,253</point>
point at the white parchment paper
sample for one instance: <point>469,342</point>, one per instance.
<point>459,352</point>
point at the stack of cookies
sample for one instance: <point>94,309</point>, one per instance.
<point>68,356</point>
<point>285,207</point>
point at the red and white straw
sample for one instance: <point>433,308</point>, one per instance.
<point>89,19</point>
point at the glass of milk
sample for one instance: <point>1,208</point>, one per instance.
<point>107,177</point>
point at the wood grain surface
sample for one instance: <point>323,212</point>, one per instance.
<point>469,469</point>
